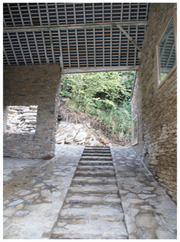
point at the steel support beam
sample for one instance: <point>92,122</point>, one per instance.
<point>129,37</point>
<point>71,26</point>
<point>98,69</point>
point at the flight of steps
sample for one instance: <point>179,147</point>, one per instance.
<point>92,208</point>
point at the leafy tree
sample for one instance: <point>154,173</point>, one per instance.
<point>104,95</point>
<point>113,86</point>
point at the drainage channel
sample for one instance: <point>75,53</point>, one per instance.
<point>92,208</point>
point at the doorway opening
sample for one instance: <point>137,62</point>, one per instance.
<point>95,109</point>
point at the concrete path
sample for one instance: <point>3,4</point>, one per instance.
<point>41,197</point>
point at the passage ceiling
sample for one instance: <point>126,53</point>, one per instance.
<point>78,36</point>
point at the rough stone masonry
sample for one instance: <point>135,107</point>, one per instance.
<point>32,85</point>
<point>156,107</point>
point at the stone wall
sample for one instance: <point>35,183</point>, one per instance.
<point>32,85</point>
<point>5,115</point>
<point>136,110</point>
<point>157,107</point>
<point>21,119</point>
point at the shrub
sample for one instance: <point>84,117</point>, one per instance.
<point>103,95</point>
<point>65,93</point>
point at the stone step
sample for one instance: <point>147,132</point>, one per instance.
<point>89,229</point>
<point>93,189</point>
<point>96,154</point>
<point>96,147</point>
<point>93,180</point>
<point>92,207</point>
<point>97,151</point>
<point>94,168</point>
<point>95,162</point>
<point>87,211</point>
<point>104,173</point>
<point>95,158</point>
<point>91,198</point>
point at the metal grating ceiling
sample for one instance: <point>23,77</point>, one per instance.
<point>167,50</point>
<point>75,35</point>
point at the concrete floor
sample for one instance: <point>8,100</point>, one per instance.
<point>34,192</point>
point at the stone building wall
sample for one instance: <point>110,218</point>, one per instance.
<point>32,85</point>
<point>5,115</point>
<point>157,107</point>
<point>136,110</point>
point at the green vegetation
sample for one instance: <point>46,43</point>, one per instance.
<point>163,75</point>
<point>104,96</point>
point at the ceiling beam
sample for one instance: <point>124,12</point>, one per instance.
<point>20,46</point>
<point>27,42</point>
<point>172,49</point>
<point>72,26</point>
<point>103,48</point>
<point>165,70</point>
<point>12,47</point>
<point>98,69</point>
<point>127,59</point>
<point>119,60</point>
<point>77,47</point>
<point>135,48</point>
<point>61,53</point>
<point>44,45</point>
<point>86,48</point>
<point>35,41</point>
<point>6,56</point>
<point>129,37</point>
<point>164,45</point>
<point>94,43</point>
